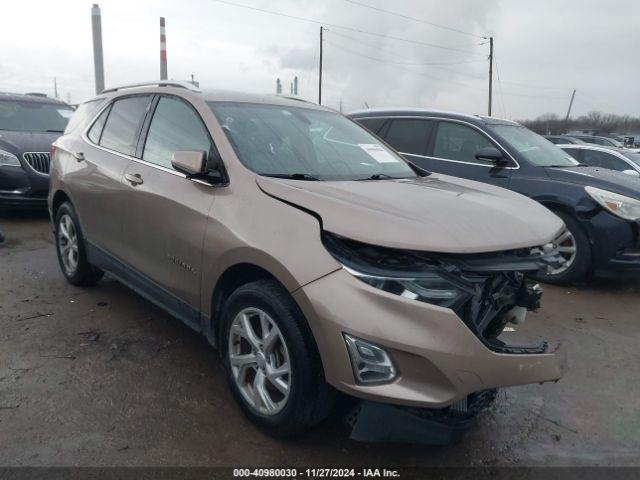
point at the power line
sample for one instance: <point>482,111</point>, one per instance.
<point>407,17</point>
<point>377,48</point>
<point>345,27</point>
<point>392,62</point>
<point>499,86</point>
<point>404,67</point>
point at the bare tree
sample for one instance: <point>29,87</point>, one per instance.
<point>552,124</point>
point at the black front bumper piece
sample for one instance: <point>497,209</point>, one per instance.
<point>382,423</point>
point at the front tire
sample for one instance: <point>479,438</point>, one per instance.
<point>271,360</point>
<point>575,247</point>
<point>70,248</point>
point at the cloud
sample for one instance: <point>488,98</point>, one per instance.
<point>544,50</point>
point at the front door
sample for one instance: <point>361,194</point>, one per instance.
<point>165,214</point>
<point>453,149</point>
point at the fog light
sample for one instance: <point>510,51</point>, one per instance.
<point>371,364</point>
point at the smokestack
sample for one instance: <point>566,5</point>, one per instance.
<point>163,51</point>
<point>295,85</point>
<point>98,63</point>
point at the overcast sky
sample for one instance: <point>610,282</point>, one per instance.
<point>543,48</point>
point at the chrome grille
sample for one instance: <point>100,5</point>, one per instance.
<point>39,161</point>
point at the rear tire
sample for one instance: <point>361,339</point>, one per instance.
<point>70,248</point>
<point>254,313</point>
<point>580,262</point>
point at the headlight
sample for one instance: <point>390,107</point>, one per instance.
<point>429,287</point>
<point>620,205</point>
<point>9,159</point>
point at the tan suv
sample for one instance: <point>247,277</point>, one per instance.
<point>310,253</point>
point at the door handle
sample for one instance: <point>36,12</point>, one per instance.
<point>133,178</point>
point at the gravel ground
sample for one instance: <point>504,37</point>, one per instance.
<point>101,377</point>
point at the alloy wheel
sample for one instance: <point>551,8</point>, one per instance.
<point>68,244</point>
<point>568,249</point>
<point>259,361</point>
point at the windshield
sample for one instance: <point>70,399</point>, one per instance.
<point>29,116</point>
<point>305,143</point>
<point>535,149</point>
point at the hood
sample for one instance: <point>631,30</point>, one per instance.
<point>20,142</point>
<point>610,180</point>
<point>436,213</point>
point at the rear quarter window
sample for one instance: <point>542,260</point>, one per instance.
<point>83,113</point>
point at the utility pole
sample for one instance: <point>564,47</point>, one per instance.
<point>55,87</point>
<point>490,73</point>
<point>98,64</point>
<point>320,75</point>
<point>163,51</point>
<point>566,119</point>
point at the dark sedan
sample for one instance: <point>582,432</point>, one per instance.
<point>28,126</point>
<point>601,208</point>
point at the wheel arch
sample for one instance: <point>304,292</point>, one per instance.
<point>232,278</point>
<point>58,199</point>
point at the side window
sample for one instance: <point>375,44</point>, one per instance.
<point>459,142</point>
<point>96,129</point>
<point>372,124</point>
<point>604,160</point>
<point>175,126</point>
<point>123,124</point>
<point>409,135</point>
<point>83,112</point>
<point>574,152</point>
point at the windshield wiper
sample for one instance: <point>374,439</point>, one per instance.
<point>377,176</point>
<point>292,176</point>
<point>55,131</point>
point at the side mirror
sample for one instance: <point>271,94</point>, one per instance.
<point>190,162</point>
<point>633,173</point>
<point>493,155</point>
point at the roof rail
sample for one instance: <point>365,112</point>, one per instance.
<point>293,97</point>
<point>159,83</point>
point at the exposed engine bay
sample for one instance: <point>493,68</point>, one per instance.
<point>486,290</point>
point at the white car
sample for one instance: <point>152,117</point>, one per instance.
<point>613,158</point>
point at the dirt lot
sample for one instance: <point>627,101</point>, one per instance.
<point>102,377</point>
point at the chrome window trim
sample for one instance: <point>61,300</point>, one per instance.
<point>392,117</point>
<point>87,140</point>
<point>31,167</point>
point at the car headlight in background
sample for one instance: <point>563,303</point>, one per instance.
<point>8,159</point>
<point>429,287</point>
<point>620,205</point>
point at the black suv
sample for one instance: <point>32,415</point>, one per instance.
<point>28,125</point>
<point>601,208</point>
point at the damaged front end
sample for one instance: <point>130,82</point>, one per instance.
<point>486,290</point>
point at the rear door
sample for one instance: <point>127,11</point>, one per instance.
<point>166,213</point>
<point>96,186</point>
<point>410,137</point>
